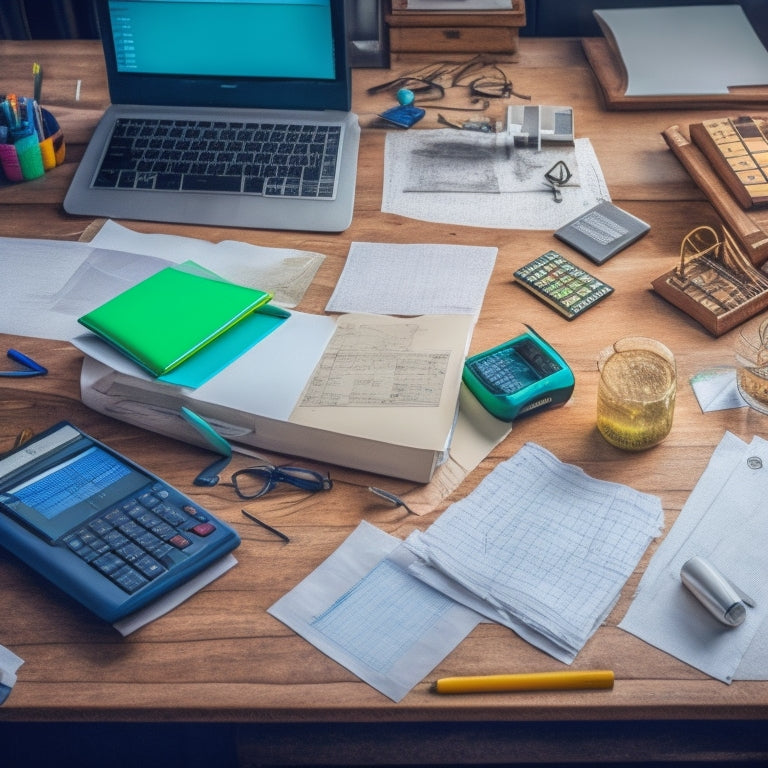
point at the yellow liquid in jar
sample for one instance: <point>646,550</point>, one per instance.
<point>636,399</point>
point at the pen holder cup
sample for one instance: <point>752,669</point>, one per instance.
<point>636,393</point>
<point>28,158</point>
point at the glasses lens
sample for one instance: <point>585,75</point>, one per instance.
<point>492,87</point>
<point>253,482</point>
<point>303,478</point>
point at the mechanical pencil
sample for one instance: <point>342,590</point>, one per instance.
<point>527,681</point>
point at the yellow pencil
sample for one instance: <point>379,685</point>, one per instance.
<point>528,681</point>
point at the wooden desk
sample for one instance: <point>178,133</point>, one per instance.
<point>219,658</point>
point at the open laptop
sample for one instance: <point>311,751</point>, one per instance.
<point>226,77</point>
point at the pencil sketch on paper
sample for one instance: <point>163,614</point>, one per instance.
<point>373,366</point>
<point>456,161</point>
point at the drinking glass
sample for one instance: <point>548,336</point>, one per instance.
<point>752,364</point>
<point>636,394</point>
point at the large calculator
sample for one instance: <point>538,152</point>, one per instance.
<point>106,531</point>
<point>522,376</point>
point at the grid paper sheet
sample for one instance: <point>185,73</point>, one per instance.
<point>540,547</point>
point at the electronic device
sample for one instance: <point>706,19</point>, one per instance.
<point>106,531</point>
<point>196,77</point>
<point>520,377</point>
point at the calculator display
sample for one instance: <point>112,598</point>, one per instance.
<point>520,376</point>
<point>513,367</point>
<point>60,497</point>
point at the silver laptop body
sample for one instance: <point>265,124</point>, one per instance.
<point>236,65</point>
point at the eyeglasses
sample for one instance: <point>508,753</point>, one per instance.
<point>258,481</point>
<point>488,81</point>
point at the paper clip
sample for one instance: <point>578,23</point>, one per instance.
<point>31,368</point>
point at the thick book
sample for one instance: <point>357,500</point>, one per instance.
<point>370,392</point>
<point>737,148</point>
<point>167,318</point>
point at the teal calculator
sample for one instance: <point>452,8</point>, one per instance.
<point>520,377</point>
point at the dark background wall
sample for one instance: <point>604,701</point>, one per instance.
<point>51,19</point>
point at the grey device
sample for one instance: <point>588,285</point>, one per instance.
<point>723,600</point>
<point>602,231</point>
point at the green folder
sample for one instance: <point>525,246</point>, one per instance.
<point>167,318</point>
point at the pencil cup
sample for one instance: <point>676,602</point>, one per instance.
<point>752,364</point>
<point>636,394</point>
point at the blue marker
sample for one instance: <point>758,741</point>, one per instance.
<point>31,367</point>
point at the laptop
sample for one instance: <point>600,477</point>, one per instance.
<point>208,99</point>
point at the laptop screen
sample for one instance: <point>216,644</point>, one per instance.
<point>289,54</point>
<point>243,38</point>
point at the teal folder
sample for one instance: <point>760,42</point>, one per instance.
<point>172,315</point>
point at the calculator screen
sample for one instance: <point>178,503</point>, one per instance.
<point>514,367</point>
<point>57,499</point>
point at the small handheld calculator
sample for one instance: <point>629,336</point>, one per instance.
<point>106,531</point>
<point>522,376</point>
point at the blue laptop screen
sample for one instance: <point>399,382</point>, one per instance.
<point>224,38</point>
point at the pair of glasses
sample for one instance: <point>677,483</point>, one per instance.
<point>489,81</point>
<point>258,481</point>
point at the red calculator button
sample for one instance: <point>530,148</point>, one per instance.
<point>203,529</point>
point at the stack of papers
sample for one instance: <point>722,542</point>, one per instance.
<point>540,547</point>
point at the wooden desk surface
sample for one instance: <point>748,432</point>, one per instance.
<point>220,657</point>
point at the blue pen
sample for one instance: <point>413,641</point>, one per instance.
<point>31,367</point>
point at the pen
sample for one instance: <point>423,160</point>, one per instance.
<point>265,526</point>
<point>31,368</point>
<point>527,681</point>
<point>37,81</point>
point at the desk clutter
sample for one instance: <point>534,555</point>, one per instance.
<point>720,279</point>
<point>31,141</point>
<point>375,384</point>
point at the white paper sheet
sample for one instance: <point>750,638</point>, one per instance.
<point>48,284</point>
<point>284,272</point>
<point>489,168</point>
<point>716,390</point>
<point>540,547</point>
<point>363,609</point>
<point>9,664</point>
<point>394,279</point>
<point>723,521</point>
<point>168,602</point>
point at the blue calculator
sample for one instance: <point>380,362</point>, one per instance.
<point>109,533</point>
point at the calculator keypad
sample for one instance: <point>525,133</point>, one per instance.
<point>138,540</point>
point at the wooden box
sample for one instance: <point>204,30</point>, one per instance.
<point>717,284</point>
<point>454,31</point>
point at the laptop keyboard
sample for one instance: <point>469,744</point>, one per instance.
<point>268,159</point>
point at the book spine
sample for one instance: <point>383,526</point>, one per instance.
<point>701,137</point>
<point>753,239</point>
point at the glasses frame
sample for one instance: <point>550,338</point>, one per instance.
<point>299,477</point>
